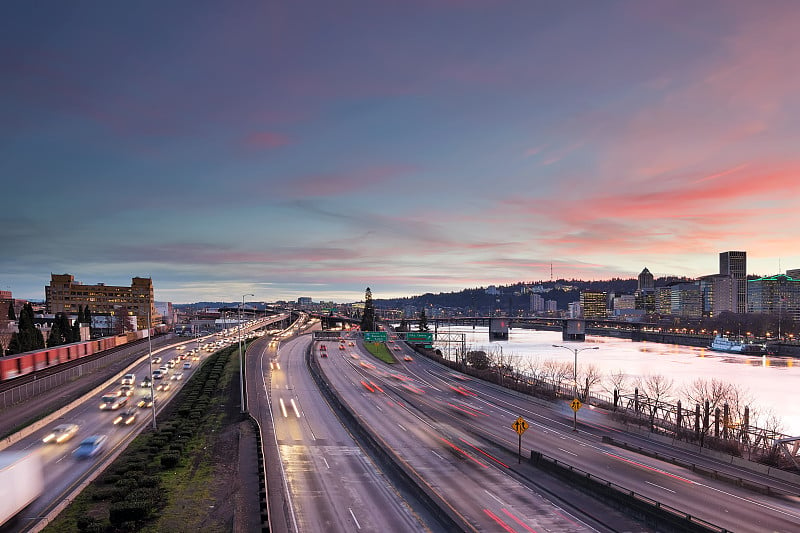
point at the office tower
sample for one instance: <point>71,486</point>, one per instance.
<point>735,264</point>
<point>646,281</point>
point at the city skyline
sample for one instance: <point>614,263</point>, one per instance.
<point>423,146</point>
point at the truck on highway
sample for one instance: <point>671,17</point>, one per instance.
<point>21,482</point>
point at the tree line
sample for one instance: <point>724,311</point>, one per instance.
<point>28,337</point>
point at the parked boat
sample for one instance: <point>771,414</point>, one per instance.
<point>724,344</point>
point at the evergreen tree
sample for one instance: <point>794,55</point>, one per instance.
<point>11,314</point>
<point>55,338</point>
<point>76,329</point>
<point>29,337</point>
<point>13,345</point>
<point>423,320</point>
<point>368,318</point>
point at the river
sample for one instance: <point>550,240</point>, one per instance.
<point>769,381</point>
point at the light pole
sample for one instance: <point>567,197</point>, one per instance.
<point>150,363</point>
<point>241,363</point>
<point>575,378</point>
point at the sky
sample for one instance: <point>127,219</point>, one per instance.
<point>317,148</point>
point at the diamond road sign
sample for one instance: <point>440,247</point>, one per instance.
<point>520,425</point>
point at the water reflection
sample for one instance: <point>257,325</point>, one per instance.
<point>767,380</point>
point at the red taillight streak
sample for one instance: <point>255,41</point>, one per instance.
<point>518,521</point>
<point>499,522</point>
<point>651,468</point>
<point>462,410</point>
<point>498,461</point>
<point>366,386</point>
<point>464,453</point>
<point>376,387</point>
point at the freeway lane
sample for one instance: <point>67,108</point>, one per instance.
<point>479,485</point>
<point>62,471</point>
<point>332,484</point>
<point>731,507</point>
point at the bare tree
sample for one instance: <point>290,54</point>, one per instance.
<point>557,372</point>
<point>713,390</point>
<point>616,381</point>
<point>657,389</point>
<point>588,376</point>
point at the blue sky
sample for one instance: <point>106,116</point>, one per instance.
<point>306,148</point>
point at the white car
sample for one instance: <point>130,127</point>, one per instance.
<point>61,433</point>
<point>129,379</point>
<point>177,376</point>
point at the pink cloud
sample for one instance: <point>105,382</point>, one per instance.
<point>266,140</point>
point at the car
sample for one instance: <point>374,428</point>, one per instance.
<point>145,401</point>
<point>90,446</point>
<point>195,358</point>
<point>341,346</point>
<point>163,386</point>
<point>322,347</point>
<point>158,374</point>
<point>171,363</point>
<point>126,418</point>
<point>351,343</point>
<point>323,354</point>
<point>407,358</point>
<point>112,402</point>
<point>61,433</point>
<point>146,383</point>
<point>177,376</point>
<point>126,390</point>
<point>187,365</point>
<point>156,360</point>
<point>180,348</point>
<point>129,379</point>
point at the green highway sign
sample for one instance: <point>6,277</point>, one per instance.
<point>420,337</point>
<point>375,336</point>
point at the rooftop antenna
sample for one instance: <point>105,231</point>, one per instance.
<point>551,271</point>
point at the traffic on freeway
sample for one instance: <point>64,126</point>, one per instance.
<point>450,427</point>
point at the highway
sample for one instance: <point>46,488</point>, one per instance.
<point>439,422</point>
<point>478,483</point>
<point>331,485</point>
<point>62,471</point>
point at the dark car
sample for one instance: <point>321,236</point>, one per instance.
<point>127,418</point>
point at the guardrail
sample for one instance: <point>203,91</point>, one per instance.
<point>653,512</point>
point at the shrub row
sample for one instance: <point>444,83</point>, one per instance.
<point>132,484</point>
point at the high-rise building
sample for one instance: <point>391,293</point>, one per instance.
<point>686,299</point>
<point>778,295</point>
<point>537,303</point>
<point>646,281</point>
<point>65,295</point>
<point>735,264</point>
<point>719,294</point>
<point>594,304</point>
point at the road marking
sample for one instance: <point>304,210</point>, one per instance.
<point>378,407</point>
<point>401,427</point>
<point>437,455</point>
<point>569,452</point>
<point>660,487</point>
<point>326,463</point>
<point>283,408</point>
<point>498,500</point>
<point>296,410</point>
<point>354,517</point>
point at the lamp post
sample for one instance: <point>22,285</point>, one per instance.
<point>150,363</point>
<point>575,378</point>
<point>241,363</point>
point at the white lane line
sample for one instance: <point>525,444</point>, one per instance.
<point>569,452</point>
<point>354,517</point>
<point>296,410</point>
<point>437,455</point>
<point>283,409</point>
<point>498,500</point>
<point>378,407</point>
<point>326,463</point>
<point>401,427</point>
<point>660,487</point>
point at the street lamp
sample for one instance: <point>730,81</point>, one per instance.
<point>241,364</point>
<point>150,363</point>
<point>575,378</point>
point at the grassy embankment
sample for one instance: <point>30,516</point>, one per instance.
<point>165,479</point>
<point>379,350</point>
